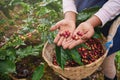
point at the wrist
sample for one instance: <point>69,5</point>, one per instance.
<point>71,16</point>
<point>94,21</point>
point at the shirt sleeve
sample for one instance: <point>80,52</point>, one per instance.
<point>69,5</point>
<point>109,10</point>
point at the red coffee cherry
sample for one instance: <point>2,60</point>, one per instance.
<point>79,33</point>
<point>74,37</point>
<point>65,34</point>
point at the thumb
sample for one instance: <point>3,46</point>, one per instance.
<point>56,26</point>
<point>87,36</point>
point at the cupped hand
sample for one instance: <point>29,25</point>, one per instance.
<point>65,29</point>
<point>82,33</point>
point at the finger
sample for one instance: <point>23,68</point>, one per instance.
<point>66,41</point>
<point>60,41</point>
<point>56,26</point>
<point>57,38</point>
<point>87,35</point>
<point>75,43</point>
<point>84,38</point>
<point>66,44</point>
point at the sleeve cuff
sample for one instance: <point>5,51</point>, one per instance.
<point>103,16</point>
<point>69,6</point>
<point>109,11</point>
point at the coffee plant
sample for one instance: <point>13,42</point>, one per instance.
<point>24,28</point>
<point>117,59</point>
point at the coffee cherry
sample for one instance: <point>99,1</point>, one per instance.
<point>74,37</point>
<point>65,34</point>
<point>79,33</point>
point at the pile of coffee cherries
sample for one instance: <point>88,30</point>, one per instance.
<point>94,51</point>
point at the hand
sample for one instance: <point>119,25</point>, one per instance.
<point>65,29</point>
<point>83,32</point>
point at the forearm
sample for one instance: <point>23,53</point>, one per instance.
<point>109,10</point>
<point>106,13</point>
<point>69,10</point>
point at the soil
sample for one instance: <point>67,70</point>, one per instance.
<point>26,67</point>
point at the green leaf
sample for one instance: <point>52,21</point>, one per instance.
<point>51,36</point>
<point>2,21</point>
<point>54,6</point>
<point>61,56</point>
<point>83,45</point>
<point>7,54</point>
<point>97,33</point>
<point>30,50</point>
<point>86,13</point>
<point>7,66</point>
<point>14,41</point>
<point>38,73</point>
<point>75,56</point>
<point>2,54</point>
<point>97,36</point>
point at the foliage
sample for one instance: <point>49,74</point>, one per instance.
<point>32,18</point>
<point>86,13</point>
<point>38,73</point>
<point>64,55</point>
<point>117,59</point>
<point>4,77</point>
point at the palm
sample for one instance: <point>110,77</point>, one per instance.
<point>86,32</point>
<point>63,26</point>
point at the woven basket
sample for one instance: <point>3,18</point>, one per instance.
<point>72,73</point>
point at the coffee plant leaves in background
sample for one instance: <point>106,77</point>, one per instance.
<point>2,21</point>
<point>14,41</point>
<point>117,59</point>
<point>51,36</point>
<point>2,54</point>
<point>38,73</point>
<point>32,18</point>
<point>30,50</point>
<point>8,54</point>
<point>53,5</point>
<point>7,66</point>
<point>86,13</point>
<point>97,33</point>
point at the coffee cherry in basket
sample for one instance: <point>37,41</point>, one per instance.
<point>90,55</point>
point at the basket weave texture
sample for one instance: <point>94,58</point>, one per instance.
<point>72,73</point>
